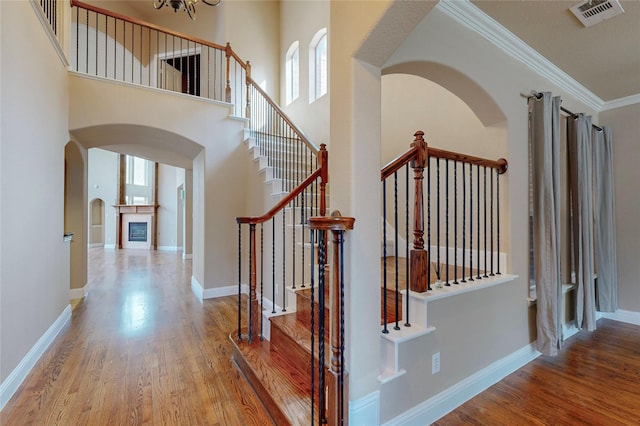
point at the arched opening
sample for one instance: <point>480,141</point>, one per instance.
<point>75,216</point>
<point>96,223</point>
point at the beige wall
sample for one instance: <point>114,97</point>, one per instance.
<point>626,157</point>
<point>168,210</point>
<point>103,184</point>
<point>300,21</point>
<point>34,88</point>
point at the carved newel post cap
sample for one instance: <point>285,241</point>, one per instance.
<point>335,222</point>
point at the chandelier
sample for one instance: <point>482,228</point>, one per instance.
<point>188,6</point>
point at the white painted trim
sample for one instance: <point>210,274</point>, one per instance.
<point>455,289</point>
<point>109,246</point>
<point>365,411</point>
<point>95,245</point>
<point>17,376</point>
<point>630,317</point>
<point>621,102</point>
<point>569,329</point>
<point>169,248</point>
<point>197,288</point>
<point>202,293</point>
<point>439,405</point>
<point>476,20</point>
<point>78,293</point>
<point>187,256</point>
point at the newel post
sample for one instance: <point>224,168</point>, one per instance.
<point>336,388</point>
<point>253,331</point>
<point>419,281</point>
<point>227,91</point>
<point>247,78</point>
<point>323,155</point>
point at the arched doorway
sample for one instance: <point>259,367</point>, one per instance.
<point>96,223</point>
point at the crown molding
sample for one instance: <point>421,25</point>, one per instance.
<point>464,12</point>
<point>621,102</point>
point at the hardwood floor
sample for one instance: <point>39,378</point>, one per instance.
<point>594,381</point>
<point>140,349</point>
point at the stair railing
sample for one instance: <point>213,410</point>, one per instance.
<point>287,213</point>
<point>110,45</point>
<point>332,404</point>
<point>465,234</point>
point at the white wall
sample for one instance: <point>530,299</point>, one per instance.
<point>626,157</point>
<point>33,134</point>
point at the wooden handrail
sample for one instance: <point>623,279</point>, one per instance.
<point>76,3</point>
<point>284,116</point>
<point>322,172</point>
<point>397,163</point>
<point>282,203</point>
<point>500,164</point>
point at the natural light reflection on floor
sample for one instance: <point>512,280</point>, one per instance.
<point>137,315</point>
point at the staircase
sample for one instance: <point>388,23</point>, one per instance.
<point>279,369</point>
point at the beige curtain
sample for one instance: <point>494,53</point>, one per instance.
<point>544,139</point>
<point>581,194</point>
<point>604,217</point>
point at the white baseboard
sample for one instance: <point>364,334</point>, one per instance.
<point>110,246</point>
<point>78,293</point>
<point>169,248</point>
<point>446,401</point>
<point>186,256</point>
<point>93,245</point>
<point>625,316</point>
<point>202,293</point>
<point>17,376</point>
<point>365,411</point>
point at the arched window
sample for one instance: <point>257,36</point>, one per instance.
<point>292,66</point>
<point>318,65</point>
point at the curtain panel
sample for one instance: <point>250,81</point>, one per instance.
<point>581,195</point>
<point>604,221</point>
<point>544,140</point>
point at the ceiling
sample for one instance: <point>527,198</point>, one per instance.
<point>604,58</point>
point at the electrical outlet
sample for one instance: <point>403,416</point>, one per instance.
<point>435,363</point>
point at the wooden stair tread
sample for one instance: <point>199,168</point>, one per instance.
<point>283,390</point>
<point>300,333</point>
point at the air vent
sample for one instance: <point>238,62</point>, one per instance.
<point>591,12</point>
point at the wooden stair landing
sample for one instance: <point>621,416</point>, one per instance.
<point>284,392</point>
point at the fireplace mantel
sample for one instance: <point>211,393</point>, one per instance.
<point>148,209</point>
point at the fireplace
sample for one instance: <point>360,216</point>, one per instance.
<point>138,231</point>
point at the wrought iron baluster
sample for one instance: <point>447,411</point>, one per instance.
<point>455,222</point>
<point>407,322</point>
<point>273,264</point>
<point>321,324</point>
<point>471,222</point>
<point>446,229</point>
<point>485,221</point>
<point>498,218</point>
<point>491,219</point>
<point>438,271</point>
<point>284,264</point>
<point>239,282</point>
<point>478,277</point>
<point>313,359</point>
<point>384,256</point>
<point>397,292</point>
<point>464,224</point>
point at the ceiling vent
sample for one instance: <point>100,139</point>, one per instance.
<point>591,12</point>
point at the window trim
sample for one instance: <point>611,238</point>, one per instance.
<point>314,93</point>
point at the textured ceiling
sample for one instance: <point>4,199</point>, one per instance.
<point>605,58</point>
